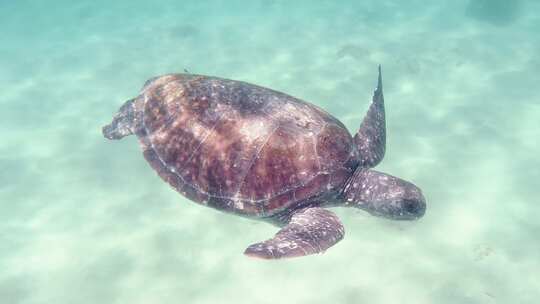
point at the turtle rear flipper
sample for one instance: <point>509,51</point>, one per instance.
<point>371,137</point>
<point>310,230</point>
<point>123,122</point>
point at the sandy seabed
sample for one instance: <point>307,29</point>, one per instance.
<point>85,220</point>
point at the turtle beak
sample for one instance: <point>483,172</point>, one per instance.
<point>413,209</point>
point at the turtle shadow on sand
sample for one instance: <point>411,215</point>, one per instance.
<point>353,51</point>
<point>262,154</point>
<point>496,12</point>
<point>183,31</point>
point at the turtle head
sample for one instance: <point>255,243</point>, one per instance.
<point>384,195</point>
<point>404,202</point>
<point>123,122</point>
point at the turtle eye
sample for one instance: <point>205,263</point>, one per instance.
<point>413,209</point>
<point>410,206</point>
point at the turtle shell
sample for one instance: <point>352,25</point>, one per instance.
<point>239,147</point>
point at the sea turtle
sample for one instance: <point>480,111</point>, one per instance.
<point>259,153</point>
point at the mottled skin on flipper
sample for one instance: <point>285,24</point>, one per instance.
<point>309,231</point>
<point>256,152</point>
<point>371,137</point>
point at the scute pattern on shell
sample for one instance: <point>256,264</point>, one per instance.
<point>240,147</point>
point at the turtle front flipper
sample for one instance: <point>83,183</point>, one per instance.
<point>310,230</point>
<point>371,137</point>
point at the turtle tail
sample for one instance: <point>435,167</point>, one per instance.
<point>123,122</point>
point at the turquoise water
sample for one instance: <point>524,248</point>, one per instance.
<point>85,220</point>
